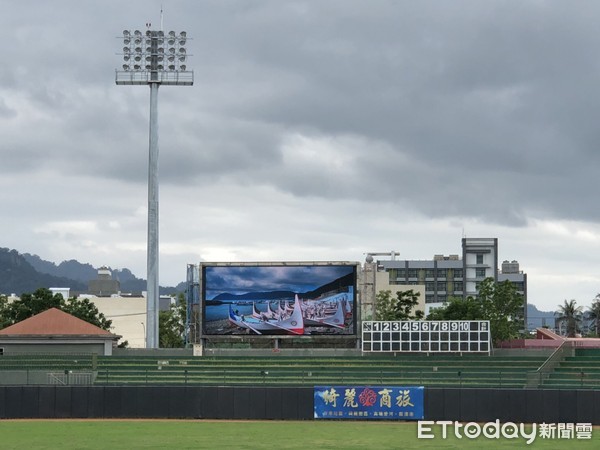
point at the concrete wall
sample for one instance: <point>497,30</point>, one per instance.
<point>128,317</point>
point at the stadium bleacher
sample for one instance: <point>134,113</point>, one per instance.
<point>580,371</point>
<point>434,370</point>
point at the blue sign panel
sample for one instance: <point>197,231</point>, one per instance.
<point>368,402</point>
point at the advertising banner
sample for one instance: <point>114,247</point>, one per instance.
<point>369,402</point>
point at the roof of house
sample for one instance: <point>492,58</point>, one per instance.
<point>53,322</point>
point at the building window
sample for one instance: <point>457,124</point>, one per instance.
<point>458,286</point>
<point>392,273</point>
<point>441,273</point>
<point>430,286</point>
<point>401,273</point>
<point>458,273</point>
<point>429,273</point>
<point>442,298</point>
<point>412,273</point>
<point>480,273</point>
<point>479,258</point>
<point>441,286</point>
<point>429,299</point>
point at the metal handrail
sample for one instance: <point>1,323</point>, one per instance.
<point>536,378</point>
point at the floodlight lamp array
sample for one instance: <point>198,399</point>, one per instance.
<point>154,51</point>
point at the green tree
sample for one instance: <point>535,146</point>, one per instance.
<point>171,325</point>
<point>497,302</point>
<point>4,322</point>
<point>384,306</point>
<point>41,300</point>
<point>570,314</point>
<point>594,314</point>
<point>31,304</point>
<point>504,307</point>
<point>86,310</point>
<point>458,308</point>
<point>399,308</point>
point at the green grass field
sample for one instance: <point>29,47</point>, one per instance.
<point>306,435</point>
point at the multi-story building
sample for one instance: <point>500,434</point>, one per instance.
<point>453,276</point>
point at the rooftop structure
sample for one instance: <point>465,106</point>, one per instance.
<point>452,276</point>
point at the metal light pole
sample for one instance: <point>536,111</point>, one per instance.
<point>153,58</point>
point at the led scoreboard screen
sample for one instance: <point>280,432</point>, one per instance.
<point>426,336</point>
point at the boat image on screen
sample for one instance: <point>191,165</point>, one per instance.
<point>279,300</point>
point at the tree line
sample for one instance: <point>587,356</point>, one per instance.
<point>500,303</point>
<point>572,317</point>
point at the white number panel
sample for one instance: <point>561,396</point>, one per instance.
<point>426,336</point>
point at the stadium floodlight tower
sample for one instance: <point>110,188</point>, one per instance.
<point>153,58</point>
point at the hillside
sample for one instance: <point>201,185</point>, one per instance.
<point>17,276</point>
<point>346,280</point>
<point>24,273</point>
<point>537,318</point>
<point>68,269</point>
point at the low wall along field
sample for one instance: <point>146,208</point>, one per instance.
<point>285,403</point>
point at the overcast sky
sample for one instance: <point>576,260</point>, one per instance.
<point>243,279</point>
<point>315,130</point>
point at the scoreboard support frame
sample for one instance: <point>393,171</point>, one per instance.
<point>426,336</point>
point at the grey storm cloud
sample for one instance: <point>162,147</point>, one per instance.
<point>346,116</point>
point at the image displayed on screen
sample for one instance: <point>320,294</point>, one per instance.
<point>279,300</point>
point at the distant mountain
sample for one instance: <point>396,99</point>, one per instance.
<point>270,295</point>
<point>68,269</point>
<point>18,276</point>
<point>346,280</point>
<point>537,318</point>
<point>24,273</point>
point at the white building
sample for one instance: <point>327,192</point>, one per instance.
<point>128,315</point>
